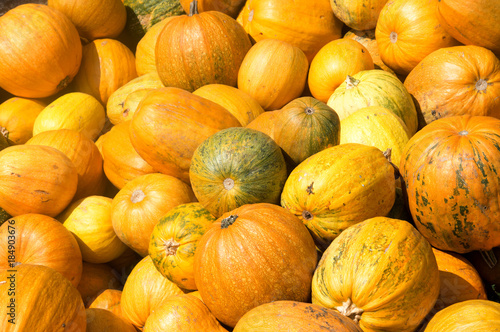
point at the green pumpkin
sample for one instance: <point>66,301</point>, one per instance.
<point>237,166</point>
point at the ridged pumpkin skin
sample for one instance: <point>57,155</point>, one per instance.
<point>296,22</point>
<point>183,312</point>
<point>408,31</point>
<point>380,272</point>
<point>41,51</point>
<point>287,316</point>
<point>198,49</point>
<point>472,87</point>
<point>253,255</point>
<point>375,88</point>
<point>40,240</point>
<point>339,187</point>
<point>170,123</point>
<point>471,315</point>
<point>470,21</point>
<point>358,15</point>
<point>306,126</point>
<point>237,166</point>
<point>274,73</point>
<point>17,117</point>
<point>45,189</point>
<point>174,241</point>
<point>99,320</point>
<point>44,301</point>
<point>450,171</point>
<point>333,62</point>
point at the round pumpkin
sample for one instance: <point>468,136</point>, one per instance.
<point>41,51</point>
<point>17,117</point>
<point>306,126</point>
<point>407,31</point>
<point>378,268</point>
<point>42,300</point>
<point>375,88</point>
<point>470,315</point>
<point>46,188</point>
<point>42,240</point>
<point>107,64</point>
<point>334,61</point>
<point>293,316</point>
<point>183,312</point>
<point>273,72</point>
<point>339,187</point>
<point>252,169</point>
<point>140,204</point>
<point>109,299</point>
<point>145,57</point>
<point>94,18</point>
<point>144,291</point>
<point>101,320</point>
<point>450,169</point>
<point>296,22</point>
<point>197,49</point>
<point>174,241</point>
<point>95,279</point>
<point>253,255</point>
<point>358,15</point>
<point>471,87</point>
<point>84,154</point>
<point>170,123</point>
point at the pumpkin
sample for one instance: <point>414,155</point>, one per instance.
<point>174,241</point>
<point>41,51</point>
<point>94,18</point>
<point>374,88</point>
<point>101,320</point>
<point>376,126</point>
<point>116,110</point>
<point>108,299</point>
<point>229,7</point>
<point>122,163</point>
<point>84,154</point>
<point>107,64</point>
<point>252,170</point>
<point>472,87</point>
<point>358,15</point>
<point>95,279</point>
<point>407,31</point>
<point>240,104</point>
<point>339,187</point>
<point>45,189</point>
<point>306,126</point>
<point>296,22</point>
<point>469,22</point>
<point>197,49</point>
<point>144,291</point>
<point>252,255</point>
<point>286,316</point>
<point>145,57</point>
<point>470,315</point>
<point>459,280</point>
<point>334,61</point>
<point>183,312</point>
<point>42,240</point>
<point>376,269</point>
<point>140,204</point>
<point>265,122</point>
<point>273,72</point>
<point>17,117</point>
<point>170,123</point>
<point>449,170</point>
<point>42,300</point>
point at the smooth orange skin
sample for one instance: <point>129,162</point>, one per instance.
<point>102,320</point>
<point>109,299</point>
<point>17,116</point>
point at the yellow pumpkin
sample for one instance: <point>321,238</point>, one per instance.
<point>145,57</point>
<point>17,117</point>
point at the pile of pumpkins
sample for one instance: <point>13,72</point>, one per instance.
<point>258,165</point>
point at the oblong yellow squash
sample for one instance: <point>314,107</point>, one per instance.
<point>17,117</point>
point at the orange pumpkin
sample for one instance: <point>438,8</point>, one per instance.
<point>41,51</point>
<point>358,15</point>
<point>108,299</point>
<point>265,122</point>
<point>95,279</point>
<point>40,240</point>
<point>101,320</point>
<point>145,57</point>
<point>17,117</point>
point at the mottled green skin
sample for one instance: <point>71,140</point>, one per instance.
<point>247,156</point>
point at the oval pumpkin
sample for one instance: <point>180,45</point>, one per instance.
<point>145,56</point>
<point>17,117</point>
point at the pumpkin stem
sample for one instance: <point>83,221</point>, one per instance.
<point>4,132</point>
<point>228,221</point>
<point>489,257</point>
<point>481,85</point>
<point>351,82</point>
<point>137,196</point>
<point>171,246</point>
<point>393,37</point>
<point>307,215</point>
<point>64,83</point>
<point>193,8</point>
<point>309,110</point>
<point>350,310</point>
<point>228,184</point>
